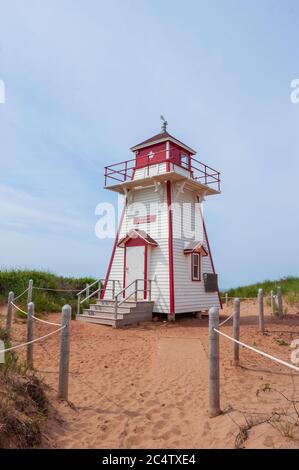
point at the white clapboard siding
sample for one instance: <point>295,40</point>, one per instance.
<point>190,295</point>
<point>140,203</point>
<point>152,170</point>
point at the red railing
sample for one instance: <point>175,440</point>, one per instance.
<point>124,171</point>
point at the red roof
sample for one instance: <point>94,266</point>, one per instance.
<point>162,136</point>
<point>137,233</point>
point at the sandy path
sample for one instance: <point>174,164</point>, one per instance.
<point>147,386</point>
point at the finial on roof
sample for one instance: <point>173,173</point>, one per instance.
<point>164,124</point>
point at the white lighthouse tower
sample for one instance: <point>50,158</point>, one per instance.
<point>161,260</point>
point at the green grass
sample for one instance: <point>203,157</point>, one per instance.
<point>45,301</point>
<point>289,286</point>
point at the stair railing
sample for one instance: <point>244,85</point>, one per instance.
<point>98,291</point>
<point>134,293</point>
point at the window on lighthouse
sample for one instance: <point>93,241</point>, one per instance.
<point>196,267</point>
<point>185,161</point>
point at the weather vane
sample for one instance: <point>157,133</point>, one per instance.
<point>163,124</point>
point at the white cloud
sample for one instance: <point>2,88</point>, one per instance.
<point>18,208</point>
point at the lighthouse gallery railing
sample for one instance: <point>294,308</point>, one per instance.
<point>124,171</point>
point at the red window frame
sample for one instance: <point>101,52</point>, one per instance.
<point>197,256</point>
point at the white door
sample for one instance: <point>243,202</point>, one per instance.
<point>134,269</point>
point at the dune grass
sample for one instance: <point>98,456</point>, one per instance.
<point>45,301</point>
<point>289,286</point>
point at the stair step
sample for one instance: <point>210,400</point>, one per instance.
<point>122,308</point>
<point>128,303</point>
<point>96,314</point>
<point>127,320</point>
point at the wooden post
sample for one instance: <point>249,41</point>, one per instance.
<point>136,290</point>
<point>272,303</point>
<point>214,382</point>
<point>115,307</point>
<point>30,321</point>
<point>279,302</point>
<point>236,330</point>
<point>9,312</point>
<point>30,287</point>
<point>226,299</point>
<point>100,289</point>
<point>150,290</point>
<point>87,290</point>
<point>78,304</point>
<point>66,316</point>
<point>260,299</point>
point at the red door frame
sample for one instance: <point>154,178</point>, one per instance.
<point>137,242</point>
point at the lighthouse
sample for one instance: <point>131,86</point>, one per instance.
<point>161,260</point>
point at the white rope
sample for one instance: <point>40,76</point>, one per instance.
<point>46,321</point>
<point>18,308</point>
<point>226,320</point>
<point>16,298</point>
<point>33,341</point>
<point>243,298</point>
<point>36,318</point>
<point>56,290</point>
<point>262,353</point>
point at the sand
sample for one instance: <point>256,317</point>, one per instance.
<point>146,386</point>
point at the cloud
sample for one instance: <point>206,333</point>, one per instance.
<point>20,209</point>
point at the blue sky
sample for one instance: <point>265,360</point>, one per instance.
<point>86,80</point>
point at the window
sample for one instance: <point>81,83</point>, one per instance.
<point>185,160</point>
<point>196,267</point>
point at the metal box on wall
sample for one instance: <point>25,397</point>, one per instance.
<point>210,282</point>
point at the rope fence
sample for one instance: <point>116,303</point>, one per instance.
<point>64,329</point>
<point>214,349</point>
<point>56,290</point>
<point>33,341</point>
<point>36,318</point>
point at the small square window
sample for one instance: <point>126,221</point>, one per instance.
<point>185,160</point>
<point>196,267</point>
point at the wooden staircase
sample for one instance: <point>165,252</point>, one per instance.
<point>128,313</point>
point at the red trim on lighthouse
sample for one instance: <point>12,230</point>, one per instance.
<point>170,251</point>
<point>145,271</point>
<point>131,243</point>
<point>113,251</point>
<point>125,269</point>
<point>212,263</point>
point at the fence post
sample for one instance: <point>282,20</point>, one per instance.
<point>66,315</point>
<point>236,330</point>
<point>279,302</point>
<point>214,382</point>
<point>78,304</point>
<point>136,290</point>
<point>100,290</point>
<point>30,287</point>
<point>87,291</point>
<point>115,307</point>
<point>9,312</point>
<point>226,299</point>
<point>30,319</point>
<point>260,299</point>
<point>272,303</point>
